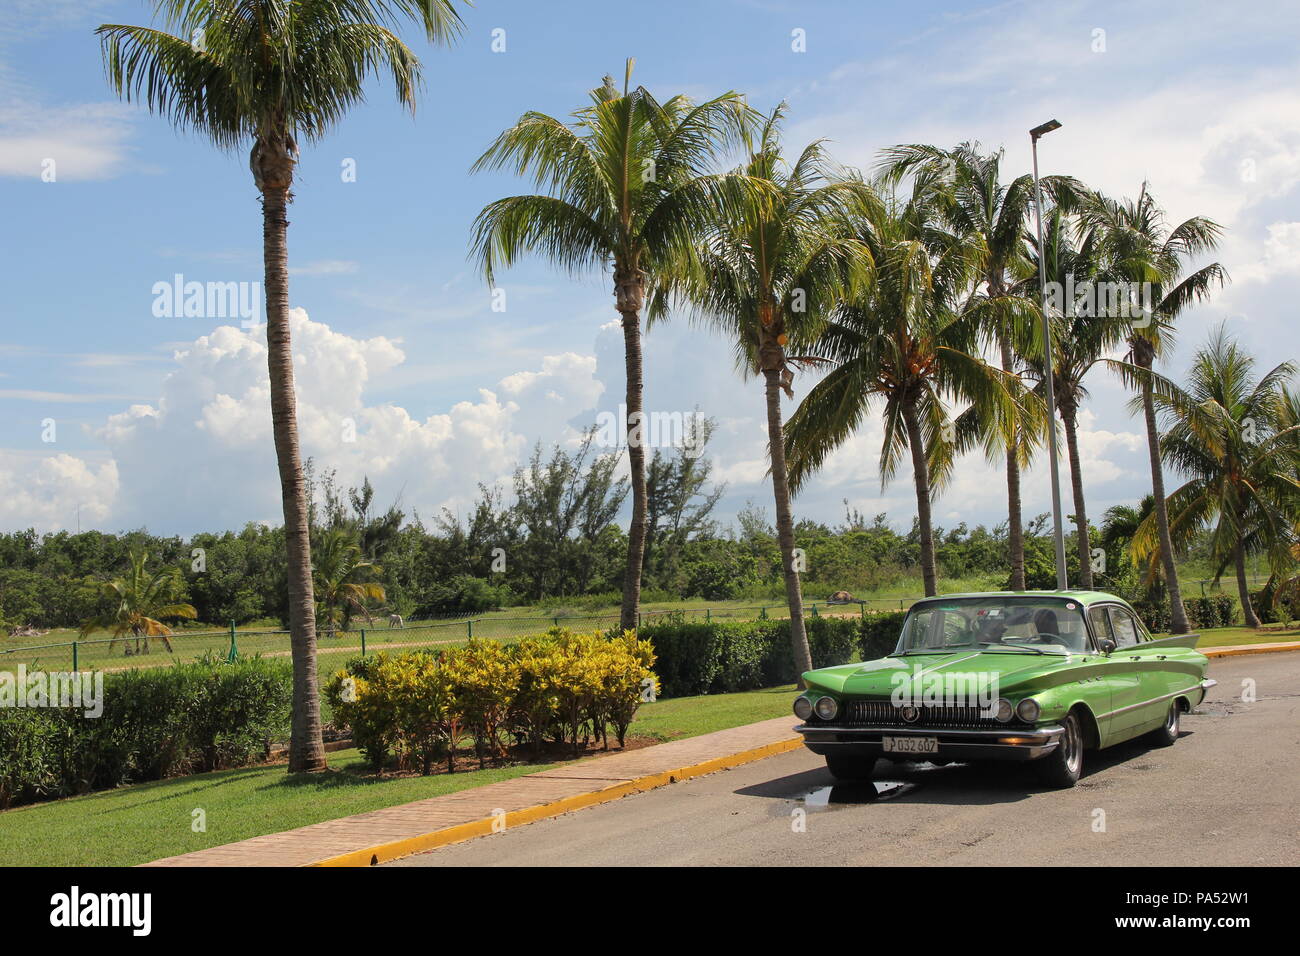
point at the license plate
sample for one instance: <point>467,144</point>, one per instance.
<point>911,745</point>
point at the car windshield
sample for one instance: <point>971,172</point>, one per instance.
<point>1015,624</point>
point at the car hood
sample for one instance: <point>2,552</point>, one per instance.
<point>879,678</point>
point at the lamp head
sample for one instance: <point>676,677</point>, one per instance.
<point>1047,127</point>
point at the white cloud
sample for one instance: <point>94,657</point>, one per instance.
<point>83,141</point>
<point>46,492</point>
<point>1281,255</point>
<point>201,456</point>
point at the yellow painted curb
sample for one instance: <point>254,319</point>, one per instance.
<point>1263,649</point>
<point>383,852</point>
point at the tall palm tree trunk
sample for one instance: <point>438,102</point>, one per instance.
<point>921,477</point>
<point>1080,509</point>
<point>629,293</point>
<point>1177,613</point>
<point>1243,588</point>
<point>785,523</point>
<point>1015,518</point>
<point>306,748</point>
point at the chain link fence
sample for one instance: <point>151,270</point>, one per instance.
<point>333,648</point>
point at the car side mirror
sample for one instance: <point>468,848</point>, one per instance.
<point>1107,645</point>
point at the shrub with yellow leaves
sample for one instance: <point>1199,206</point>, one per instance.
<point>561,686</point>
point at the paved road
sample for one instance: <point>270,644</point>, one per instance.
<point>1226,793</point>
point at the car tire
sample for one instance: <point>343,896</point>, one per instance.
<point>850,769</point>
<point>1167,735</point>
<point>1062,768</point>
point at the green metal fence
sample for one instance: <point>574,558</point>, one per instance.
<point>334,648</point>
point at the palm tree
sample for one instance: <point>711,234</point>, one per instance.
<point>1140,248</point>
<point>911,341</point>
<point>625,186</point>
<point>138,601</point>
<point>343,580</point>
<point>1081,339</point>
<point>1233,439</point>
<point>274,72</point>
<point>1120,526</point>
<point>778,258</point>
<point>977,204</point>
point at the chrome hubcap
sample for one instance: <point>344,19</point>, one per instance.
<point>1070,743</point>
<point>1171,722</point>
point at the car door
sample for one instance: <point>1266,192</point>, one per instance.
<point>1157,679</point>
<point>1120,686</point>
<point>1132,683</point>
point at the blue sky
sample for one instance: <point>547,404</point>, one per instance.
<point>163,421</point>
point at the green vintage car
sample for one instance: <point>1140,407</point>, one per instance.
<point>1028,675</point>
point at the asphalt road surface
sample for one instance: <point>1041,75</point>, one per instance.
<point>1226,793</point>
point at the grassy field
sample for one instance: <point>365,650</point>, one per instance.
<point>144,822</point>
<point>53,651</point>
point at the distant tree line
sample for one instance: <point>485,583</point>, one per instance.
<point>553,537</point>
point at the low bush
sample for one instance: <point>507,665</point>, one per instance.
<point>462,594</point>
<point>1217,610</point>
<point>156,722</point>
<point>417,708</point>
<point>1274,606</point>
<point>715,657</point>
<point>880,634</point>
<point>1156,615</point>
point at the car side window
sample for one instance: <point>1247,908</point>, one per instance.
<point>1125,628</point>
<point>1100,625</point>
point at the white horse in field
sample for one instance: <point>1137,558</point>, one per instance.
<point>395,620</point>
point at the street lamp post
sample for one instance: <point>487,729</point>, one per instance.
<point>1061,581</point>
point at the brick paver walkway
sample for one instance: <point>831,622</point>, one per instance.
<point>381,835</point>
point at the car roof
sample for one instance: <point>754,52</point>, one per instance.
<point>1085,598</point>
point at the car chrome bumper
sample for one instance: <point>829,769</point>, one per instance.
<point>995,744</point>
<point>1205,689</point>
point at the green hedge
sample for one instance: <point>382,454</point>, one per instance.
<point>156,722</point>
<point>1218,610</point>
<point>716,657</point>
<point>880,634</point>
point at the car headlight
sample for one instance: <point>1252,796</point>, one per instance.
<point>826,708</point>
<point>1028,710</point>
<point>802,707</point>
<point>1004,711</point>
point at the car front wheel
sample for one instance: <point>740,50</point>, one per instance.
<point>1062,767</point>
<point>850,769</point>
<point>1168,732</point>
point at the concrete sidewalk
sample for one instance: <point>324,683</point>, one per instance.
<point>381,835</point>
<point>1232,650</point>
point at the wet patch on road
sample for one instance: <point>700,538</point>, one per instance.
<point>855,794</point>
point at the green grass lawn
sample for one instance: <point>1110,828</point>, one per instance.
<point>1232,636</point>
<point>144,822</point>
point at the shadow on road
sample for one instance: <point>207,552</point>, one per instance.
<point>961,784</point>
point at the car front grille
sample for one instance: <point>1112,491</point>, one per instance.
<point>885,713</point>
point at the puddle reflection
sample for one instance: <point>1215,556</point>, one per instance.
<point>848,794</point>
